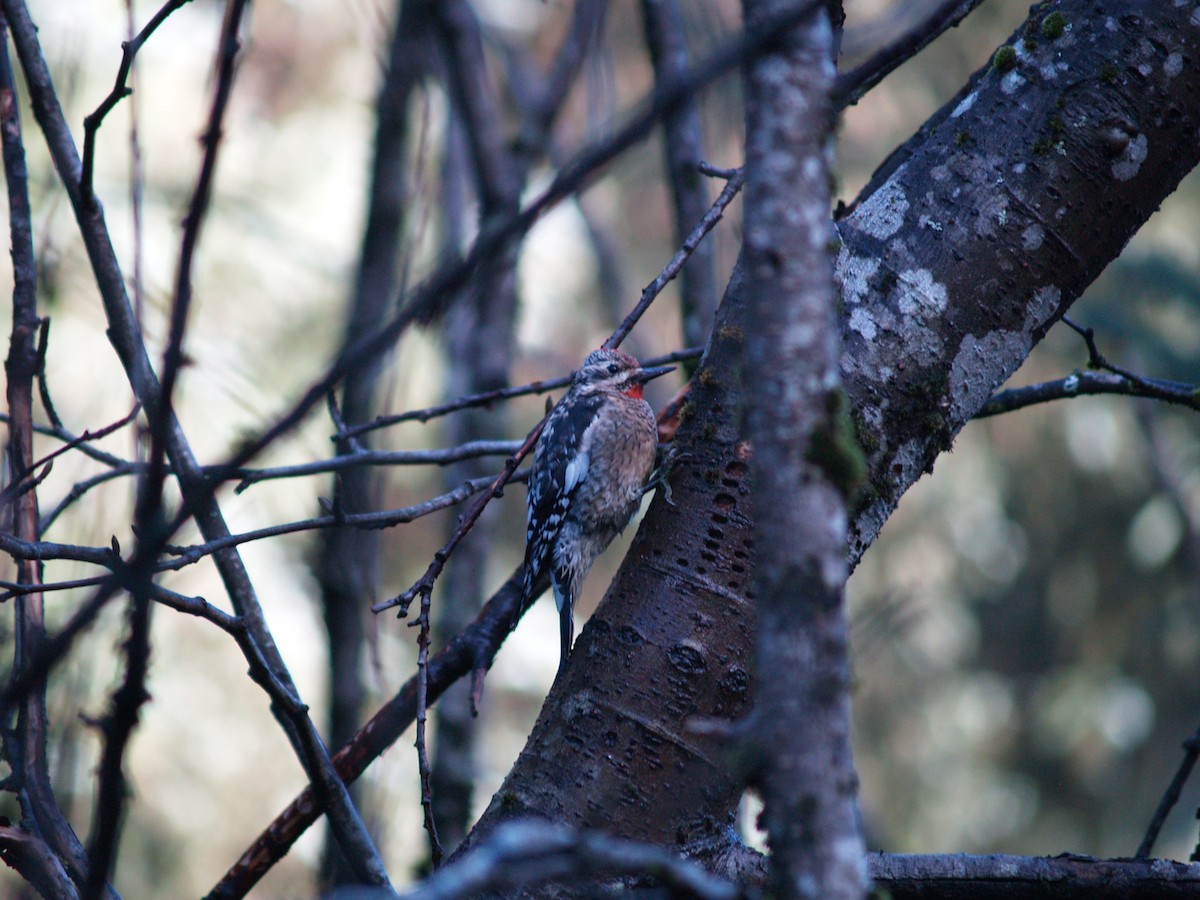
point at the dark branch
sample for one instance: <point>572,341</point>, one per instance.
<point>531,853</point>
<point>1191,750</point>
<point>487,398</point>
<point>1090,383</point>
<point>655,287</point>
<point>120,90</point>
<point>854,85</point>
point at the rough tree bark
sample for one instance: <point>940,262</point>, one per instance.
<point>804,466</point>
<point>965,249</point>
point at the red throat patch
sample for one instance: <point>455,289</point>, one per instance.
<point>635,391</point>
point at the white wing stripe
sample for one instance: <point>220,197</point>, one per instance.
<point>577,470</point>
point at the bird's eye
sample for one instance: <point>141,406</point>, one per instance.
<point>613,368</point>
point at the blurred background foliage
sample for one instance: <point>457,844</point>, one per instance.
<point>1027,629</point>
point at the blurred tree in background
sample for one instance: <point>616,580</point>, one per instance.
<point>1025,630</point>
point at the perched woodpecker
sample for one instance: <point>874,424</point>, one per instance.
<point>589,473</point>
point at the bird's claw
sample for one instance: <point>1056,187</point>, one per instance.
<point>660,477</point>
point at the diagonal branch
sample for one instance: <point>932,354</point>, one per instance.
<point>120,90</point>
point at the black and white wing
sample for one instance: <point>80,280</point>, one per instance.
<point>560,465</point>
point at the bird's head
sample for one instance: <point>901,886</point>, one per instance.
<point>617,371</point>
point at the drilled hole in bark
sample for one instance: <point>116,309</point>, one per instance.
<point>725,501</point>
<point>687,659</point>
<point>736,680</point>
<point>628,635</point>
<point>716,534</point>
<point>737,469</point>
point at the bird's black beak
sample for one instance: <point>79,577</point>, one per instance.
<point>649,373</point>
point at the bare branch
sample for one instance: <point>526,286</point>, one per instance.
<point>120,90</point>
<point>7,495</point>
<point>82,487</point>
<point>487,398</point>
<point>1191,751</point>
<point>655,287</point>
<point>959,876</point>
<point>1080,383</point>
<point>1109,379</point>
<point>186,556</point>
<point>423,621</point>
<point>852,86</point>
<point>439,457</point>
<point>530,853</point>
<point>29,856</point>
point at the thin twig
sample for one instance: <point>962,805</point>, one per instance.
<point>25,589</point>
<point>120,90</point>
<point>72,444</point>
<point>707,168</point>
<point>81,443</point>
<point>43,385</point>
<point>852,86</point>
<point>439,457</point>
<point>435,846</point>
<point>82,487</point>
<point>487,398</point>
<point>655,287</point>
<point>136,182</point>
<point>1191,751</point>
<point>1101,377</point>
<point>186,556</point>
<point>189,555</point>
<point>425,584</point>
<point>1091,383</point>
<point>172,364</point>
